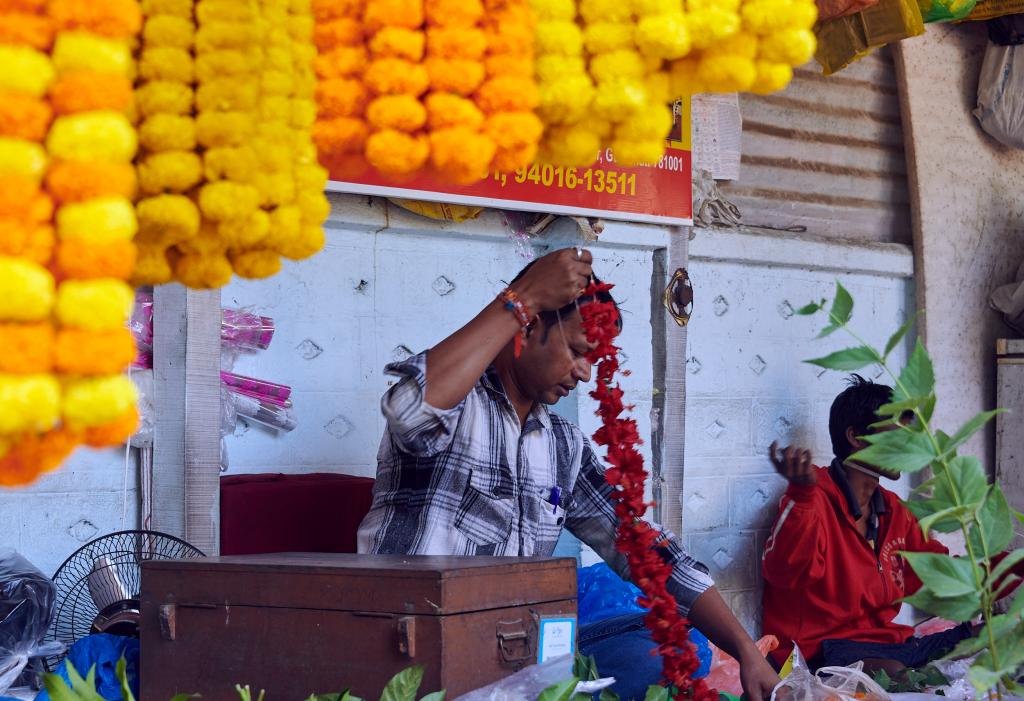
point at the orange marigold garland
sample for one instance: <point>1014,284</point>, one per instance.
<point>411,84</point>
<point>636,537</point>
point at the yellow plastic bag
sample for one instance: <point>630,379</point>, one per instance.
<point>843,40</point>
<point>438,210</point>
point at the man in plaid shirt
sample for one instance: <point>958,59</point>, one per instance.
<point>473,463</point>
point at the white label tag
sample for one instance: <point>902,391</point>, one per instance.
<point>557,637</point>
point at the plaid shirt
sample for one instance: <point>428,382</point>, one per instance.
<point>471,481</point>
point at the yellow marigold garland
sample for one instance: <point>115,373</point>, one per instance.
<point>66,181</point>
<point>229,169</point>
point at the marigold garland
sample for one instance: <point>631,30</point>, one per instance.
<point>66,145</point>
<point>407,85</point>
<point>227,95</point>
<point>637,539</point>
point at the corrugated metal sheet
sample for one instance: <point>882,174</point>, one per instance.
<point>825,156</point>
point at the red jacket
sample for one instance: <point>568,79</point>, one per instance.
<point>823,579</point>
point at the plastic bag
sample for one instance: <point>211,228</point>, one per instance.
<point>102,651</point>
<point>604,594</point>
<point>26,608</point>
<point>829,684</point>
<point>1009,299</point>
<point>438,210</point>
<point>830,9</point>
<point>242,329</point>
<point>949,10</point>
<point>725,670</point>
<point>843,40</point>
<point>526,684</point>
<point>1000,108</point>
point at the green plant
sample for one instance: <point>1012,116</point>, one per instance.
<point>911,680</point>
<point>957,497</point>
<point>402,687</point>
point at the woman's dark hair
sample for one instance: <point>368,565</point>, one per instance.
<point>856,406</point>
<point>549,318</point>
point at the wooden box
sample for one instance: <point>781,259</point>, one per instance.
<point>299,623</point>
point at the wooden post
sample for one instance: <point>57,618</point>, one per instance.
<point>186,435</point>
<point>669,438</point>
<point>1010,426</point>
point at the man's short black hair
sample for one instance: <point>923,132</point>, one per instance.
<point>856,406</point>
<point>549,318</point>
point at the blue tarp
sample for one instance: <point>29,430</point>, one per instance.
<point>103,651</point>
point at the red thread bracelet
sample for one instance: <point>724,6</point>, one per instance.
<point>520,311</point>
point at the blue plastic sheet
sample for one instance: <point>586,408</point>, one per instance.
<point>103,651</point>
<point>612,630</point>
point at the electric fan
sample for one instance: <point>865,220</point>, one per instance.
<point>98,587</point>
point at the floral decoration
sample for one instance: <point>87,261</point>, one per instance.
<point>66,182</point>
<point>411,85</point>
<point>637,539</point>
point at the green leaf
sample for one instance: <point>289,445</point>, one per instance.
<point>185,697</point>
<point>560,691</point>
<point>809,309</point>
<point>945,520</point>
<point>898,336</point>
<point>434,696</point>
<point>608,695</point>
<point>656,692</point>
<point>970,428</point>
<point>946,577</point>
<point>933,676</point>
<point>847,359</point>
<point>994,530</point>
<point>1004,566</point>
<point>404,685</point>
<point>918,377</point>
<point>983,678</point>
<point>969,477</point>
<point>883,679</point>
<point>904,451</point>
<point>842,306</point>
<point>121,670</point>
<point>959,609</point>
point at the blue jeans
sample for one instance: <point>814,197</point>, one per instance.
<point>623,648</point>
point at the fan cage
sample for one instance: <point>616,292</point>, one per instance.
<point>75,610</point>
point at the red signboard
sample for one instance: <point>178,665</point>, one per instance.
<point>659,193</point>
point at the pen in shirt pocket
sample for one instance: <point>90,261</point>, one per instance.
<point>556,498</point>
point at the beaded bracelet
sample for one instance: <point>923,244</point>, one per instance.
<point>511,302</point>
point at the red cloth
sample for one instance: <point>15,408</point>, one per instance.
<point>822,578</point>
<point>292,513</point>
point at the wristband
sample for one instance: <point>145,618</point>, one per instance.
<point>510,300</point>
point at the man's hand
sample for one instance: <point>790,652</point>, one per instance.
<point>794,464</point>
<point>757,676</point>
<point>555,280</point>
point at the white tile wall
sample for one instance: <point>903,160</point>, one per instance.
<point>747,386</point>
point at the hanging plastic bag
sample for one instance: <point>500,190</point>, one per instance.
<point>1000,108</point>
<point>830,9</point>
<point>949,10</point>
<point>1009,299</point>
<point>829,684</point>
<point>26,608</point>
<point>843,40</point>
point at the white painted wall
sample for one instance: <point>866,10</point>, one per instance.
<point>747,386</point>
<point>389,283</point>
<point>49,520</point>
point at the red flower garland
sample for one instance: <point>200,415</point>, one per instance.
<point>636,538</point>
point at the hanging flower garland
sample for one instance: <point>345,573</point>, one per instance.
<point>229,170</point>
<point>63,79</point>
<point>92,101</point>
<point>636,537</point>
<point>408,85</point>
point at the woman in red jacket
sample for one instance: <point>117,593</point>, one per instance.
<point>832,566</point>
